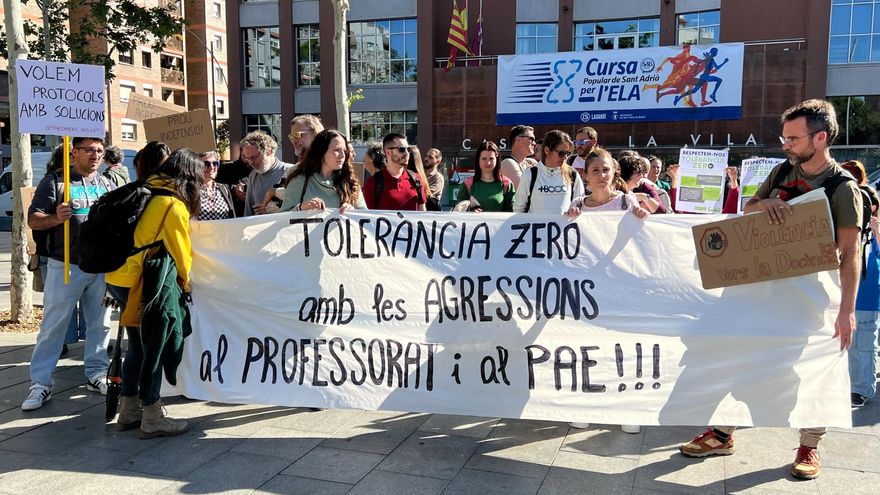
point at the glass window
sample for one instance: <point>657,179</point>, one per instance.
<point>217,10</point>
<point>855,32</point>
<point>267,122</point>
<point>537,38</point>
<point>859,119</point>
<point>146,59</point>
<point>126,57</point>
<point>148,92</point>
<point>220,106</point>
<point>129,132</point>
<point>218,43</point>
<point>308,66</point>
<point>262,57</point>
<point>612,35</point>
<point>373,126</point>
<point>382,52</point>
<point>699,28</point>
<point>125,90</point>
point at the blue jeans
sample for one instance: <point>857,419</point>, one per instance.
<point>75,331</point>
<point>59,301</point>
<point>862,367</point>
<point>132,366</point>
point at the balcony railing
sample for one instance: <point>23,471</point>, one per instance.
<point>173,76</point>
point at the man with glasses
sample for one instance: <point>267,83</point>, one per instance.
<point>395,187</point>
<point>585,141</point>
<point>48,211</point>
<point>258,151</point>
<point>522,146</point>
<point>808,129</point>
<point>303,129</point>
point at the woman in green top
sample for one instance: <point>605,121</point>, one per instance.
<point>488,190</point>
<point>324,178</point>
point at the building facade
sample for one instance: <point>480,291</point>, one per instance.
<point>397,52</point>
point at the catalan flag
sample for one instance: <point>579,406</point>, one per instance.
<point>457,38</point>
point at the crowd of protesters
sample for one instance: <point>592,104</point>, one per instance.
<point>553,174</point>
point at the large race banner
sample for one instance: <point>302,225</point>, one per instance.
<point>692,82</point>
<point>602,319</point>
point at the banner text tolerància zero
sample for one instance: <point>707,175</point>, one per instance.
<point>377,237</point>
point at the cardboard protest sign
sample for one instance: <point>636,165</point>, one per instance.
<point>750,249</point>
<point>191,130</point>
<point>141,108</point>
<point>702,177</point>
<point>59,99</point>
<point>600,319</point>
<point>753,173</point>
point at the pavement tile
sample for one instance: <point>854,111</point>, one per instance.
<point>281,442</point>
<point>477,482</point>
<point>834,480</point>
<point>758,490</point>
<point>577,473</point>
<point>50,475</point>
<point>341,466</point>
<point>15,421</point>
<point>670,436</point>
<point>292,485</point>
<point>762,461</point>
<point>520,447</point>
<point>242,421</point>
<point>433,455</point>
<point>383,483</point>
<point>177,456</point>
<point>462,426</point>
<point>232,473</point>
<point>850,451</point>
<point>604,440</point>
<point>57,436</point>
<point>14,461</point>
<point>376,432</point>
<point>665,469</point>
<point>327,421</point>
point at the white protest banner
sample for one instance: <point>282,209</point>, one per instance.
<point>143,107</point>
<point>59,99</point>
<point>602,319</point>
<point>702,176</point>
<point>753,173</point>
<point>666,83</point>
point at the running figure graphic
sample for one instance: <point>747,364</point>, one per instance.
<point>684,72</point>
<point>709,68</point>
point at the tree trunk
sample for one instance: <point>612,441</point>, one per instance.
<point>20,295</point>
<point>340,43</point>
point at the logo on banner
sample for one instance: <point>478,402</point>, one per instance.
<point>713,242</point>
<point>647,64</point>
<point>564,71</point>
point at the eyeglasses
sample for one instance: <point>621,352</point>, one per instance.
<point>91,151</point>
<point>212,163</point>
<point>297,135</point>
<point>530,138</point>
<point>581,142</point>
<point>563,153</point>
<point>790,140</point>
<point>400,149</point>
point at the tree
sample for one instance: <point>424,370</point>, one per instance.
<point>19,294</point>
<point>340,42</point>
<point>123,24</point>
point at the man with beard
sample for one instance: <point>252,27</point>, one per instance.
<point>395,187</point>
<point>808,129</point>
<point>585,141</point>
<point>303,129</point>
<point>258,151</point>
<point>522,146</point>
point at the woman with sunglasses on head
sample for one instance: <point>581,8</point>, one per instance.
<point>550,186</point>
<point>488,189</point>
<point>216,200</point>
<point>324,177</point>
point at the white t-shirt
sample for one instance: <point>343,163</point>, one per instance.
<point>620,202</point>
<point>552,193</point>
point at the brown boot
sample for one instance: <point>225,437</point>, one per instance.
<point>130,413</point>
<point>156,424</point>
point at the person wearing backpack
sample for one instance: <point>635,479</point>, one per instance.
<point>48,212</point>
<point>394,186</point>
<point>487,189</point>
<point>156,344</point>
<point>808,129</point>
<point>550,186</point>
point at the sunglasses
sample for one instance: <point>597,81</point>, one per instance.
<point>400,149</point>
<point>581,142</point>
<point>297,135</point>
<point>212,163</point>
<point>563,153</point>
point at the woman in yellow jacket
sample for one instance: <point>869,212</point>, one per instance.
<point>166,218</point>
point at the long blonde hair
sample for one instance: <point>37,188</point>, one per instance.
<point>416,164</point>
<point>551,139</point>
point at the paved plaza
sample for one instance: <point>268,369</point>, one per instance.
<point>66,447</point>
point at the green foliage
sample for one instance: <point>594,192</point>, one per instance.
<point>356,95</point>
<point>123,24</point>
<point>221,135</point>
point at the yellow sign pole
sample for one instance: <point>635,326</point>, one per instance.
<point>66,167</point>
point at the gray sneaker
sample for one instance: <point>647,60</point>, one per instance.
<point>37,397</point>
<point>97,384</point>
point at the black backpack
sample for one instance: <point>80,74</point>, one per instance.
<point>380,185</point>
<point>830,184</point>
<point>106,238</point>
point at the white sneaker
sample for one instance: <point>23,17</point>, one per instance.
<point>39,394</point>
<point>580,426</point>
<point>631,429</point>
<point>98,384</point>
